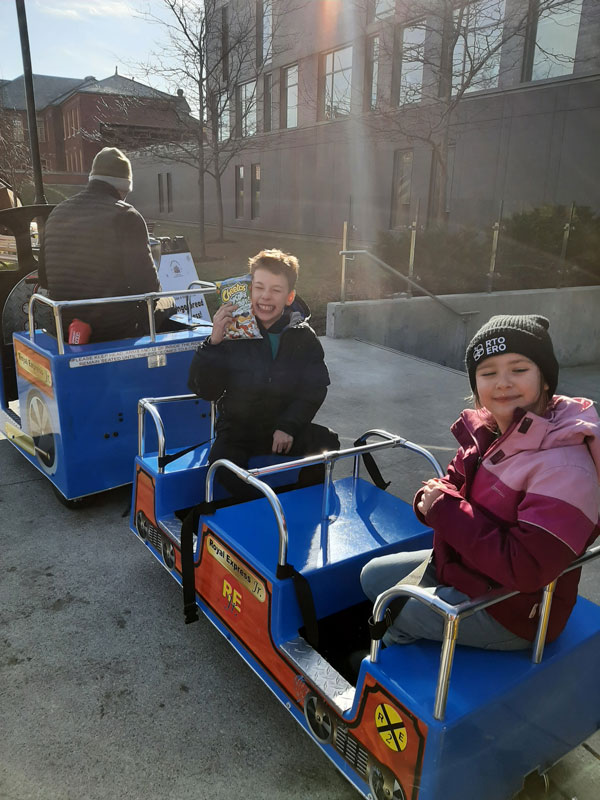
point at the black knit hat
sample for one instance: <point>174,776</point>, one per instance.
<point>526,334</point>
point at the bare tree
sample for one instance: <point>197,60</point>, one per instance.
<point>15,161</point>
<point>215,53</point>
<point>442,51</point>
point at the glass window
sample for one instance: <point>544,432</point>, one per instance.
<point>337,81</point>
<point>290,96</point>
<point>556,41</point>
<point>268,102</point>
<point>247,108</point>
<point>476,57</point>
<point>239,192</point>
<point>412,50</point>
<point>41,129</point>
<point>401,188</point>
<point>255,199</point>
<point>225,42</point>
<point>224,121</point>
<point>379,9</point>
<point>267,30</point>
<point>371,72</point>
<point>169,193</point>
<point>161,198</point>
<point>18,129</point>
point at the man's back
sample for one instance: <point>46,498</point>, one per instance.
<point>96,245</point>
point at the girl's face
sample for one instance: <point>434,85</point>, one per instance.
<point>507,382</point>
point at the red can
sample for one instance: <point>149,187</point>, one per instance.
<point>79,332</point>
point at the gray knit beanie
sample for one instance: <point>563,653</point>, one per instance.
<point>526,334</point>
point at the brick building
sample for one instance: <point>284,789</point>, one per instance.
<point>325,117</point>
<point>77,117</point>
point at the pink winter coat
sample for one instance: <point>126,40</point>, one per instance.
<point>518,509</point>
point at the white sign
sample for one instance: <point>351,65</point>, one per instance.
<point>177,271</point>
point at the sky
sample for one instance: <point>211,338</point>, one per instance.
<point>77,38</point>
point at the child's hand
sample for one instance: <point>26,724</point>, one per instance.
<point>282,442</point>
<point>431,491</point>
<point>221,321</point>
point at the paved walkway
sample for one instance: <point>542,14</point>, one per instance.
<point>105,693</point>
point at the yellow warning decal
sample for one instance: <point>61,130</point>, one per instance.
<point>247,578</point>
<point>390,727</point>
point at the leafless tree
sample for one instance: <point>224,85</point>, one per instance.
<point>15,161</point>
<point>215,53</point>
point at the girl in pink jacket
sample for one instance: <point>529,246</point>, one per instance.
<point>520,500</point>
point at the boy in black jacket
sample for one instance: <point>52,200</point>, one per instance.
<point>268,389</point>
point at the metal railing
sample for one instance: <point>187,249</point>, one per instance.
<point>453,615</point>
<point>150,405</point>
<point>149,298</point>
<point>328,459</point>
<point>463,315</point>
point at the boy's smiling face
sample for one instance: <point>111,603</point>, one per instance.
<point>270,295</point>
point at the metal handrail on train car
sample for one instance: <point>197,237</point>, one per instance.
<point>454,614</point>
<point>328,459</point>
<point>148,298</point>
<point>149,404</point>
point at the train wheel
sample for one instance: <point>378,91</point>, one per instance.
<point>168,552</point>
<point>75,502</point>
<point>318,719</point>
<point>385,787</point>
<point>40,430</point>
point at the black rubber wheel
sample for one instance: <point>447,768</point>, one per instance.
<point>74,504</point>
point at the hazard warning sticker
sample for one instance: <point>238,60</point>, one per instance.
<point>390,727</point>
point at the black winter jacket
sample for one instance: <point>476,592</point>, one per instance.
<point>258,394</point>
<point>96,245</point>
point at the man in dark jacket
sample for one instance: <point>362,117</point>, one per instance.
<point>268,389</point>
<point>96,245</point>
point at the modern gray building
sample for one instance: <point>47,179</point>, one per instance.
<point>343,110</point>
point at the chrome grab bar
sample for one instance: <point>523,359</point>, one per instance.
<point>148,298</point>
<point>150,404</point>
<point>262,487</point>
<point>454,614</point>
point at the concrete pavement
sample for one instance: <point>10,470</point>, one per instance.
<point>105,693</point>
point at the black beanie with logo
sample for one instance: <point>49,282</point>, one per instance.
<point>525,334</point>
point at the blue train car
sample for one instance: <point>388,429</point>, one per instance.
<point>279,578</point>
<point>76,418</point>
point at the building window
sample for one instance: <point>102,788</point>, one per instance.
<point>552,40</point>
<point>336,82</point>
<point>408,64</point>
<point>247,108</point>
<point>264,31</point>
<point>401,188</point>
<point>255,179</point>
<point>379,9</point>
<point>268,102</point>
<point>290,97</point>
<point>169,193</point>
<point>161,197</point>
<point>371,73</point>
<point>41,129</point>
<point>225,42</point>
<point>476,57</point>
<point>223,118</point>
<point>18,129</point>
<point>239,192</point>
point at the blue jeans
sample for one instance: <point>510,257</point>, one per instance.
<point>417,621</point>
